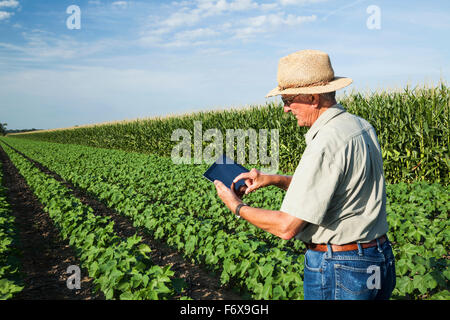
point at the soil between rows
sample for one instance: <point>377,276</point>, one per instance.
<point>45,256</point>
<point>202,284</point>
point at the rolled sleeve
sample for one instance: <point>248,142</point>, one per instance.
<point>312,188</point>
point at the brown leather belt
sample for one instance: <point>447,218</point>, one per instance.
<point>345,247</point>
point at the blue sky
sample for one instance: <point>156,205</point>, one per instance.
<point>135,59</point>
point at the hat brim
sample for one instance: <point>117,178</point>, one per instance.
<point>335,84</point>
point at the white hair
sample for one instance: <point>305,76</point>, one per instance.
<point>328,96</point>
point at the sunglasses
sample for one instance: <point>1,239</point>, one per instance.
<point>288,101</point>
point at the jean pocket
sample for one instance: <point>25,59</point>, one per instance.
<point>357,280</point>
<point>313,276</point>
<point>314,260</point>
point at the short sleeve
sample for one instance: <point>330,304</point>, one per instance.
<point>312,188</point>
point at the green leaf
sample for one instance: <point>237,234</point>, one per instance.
<point>267,289</point>
<point>127,296</point>
<point>109,293</point>
<point>144,249</point>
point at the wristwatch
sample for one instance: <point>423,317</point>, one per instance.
<point>238,208</point>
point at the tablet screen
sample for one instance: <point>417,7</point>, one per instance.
<point>225,170</point>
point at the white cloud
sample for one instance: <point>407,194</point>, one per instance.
<point>181,3</point>
<point>149,40</point>
<point>41,45</point>
<point>191,38</point>
<point>120,4</point>
<point>5,15</point>
<point>187,38</point>
<point>196,33</point>
<point>299,2</point>
<point>212,7</point>
<point>269,23</point>
<point>181,19</point>
<point>269,6</point>
<point>192,13</point>
<point>9,4</point>
<point>196,12</point>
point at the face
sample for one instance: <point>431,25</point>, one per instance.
<point>303,107</point>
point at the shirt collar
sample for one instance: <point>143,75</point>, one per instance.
<point>329,114</point>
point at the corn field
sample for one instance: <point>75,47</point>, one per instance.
<point>412,127</point>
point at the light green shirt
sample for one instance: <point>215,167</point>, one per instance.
<point>338,186</point>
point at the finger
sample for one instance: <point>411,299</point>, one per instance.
<point>218,184</point>
<point>250,189</point>
<point>232,188</point>
<point>244,175</point>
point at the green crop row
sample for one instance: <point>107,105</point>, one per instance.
<point>420,230</point>
<point>244,261</point>
<point>194,195</point>
<point>10,280</point>
<point>142,186</point>
<point>120,267</point>
<point>412,126</point>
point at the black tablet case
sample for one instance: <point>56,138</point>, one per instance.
<point>225,170</point>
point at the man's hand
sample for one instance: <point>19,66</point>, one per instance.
<point>227,195</point>
<point>278,223</point>
<point>254,180</point>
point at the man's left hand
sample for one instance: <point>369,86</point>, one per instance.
<point>227,195</point>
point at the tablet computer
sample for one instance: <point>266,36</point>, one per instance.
<point>225,170</point>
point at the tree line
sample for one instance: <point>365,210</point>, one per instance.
<point>4,131</point>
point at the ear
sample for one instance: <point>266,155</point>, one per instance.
<point>315,100</point>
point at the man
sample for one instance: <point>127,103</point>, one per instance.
<point>336,200</point>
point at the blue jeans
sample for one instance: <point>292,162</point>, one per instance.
<point>363,274</point>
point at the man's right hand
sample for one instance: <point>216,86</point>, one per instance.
<point>254,180</point>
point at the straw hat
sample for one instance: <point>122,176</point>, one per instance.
<point>307,72</point>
